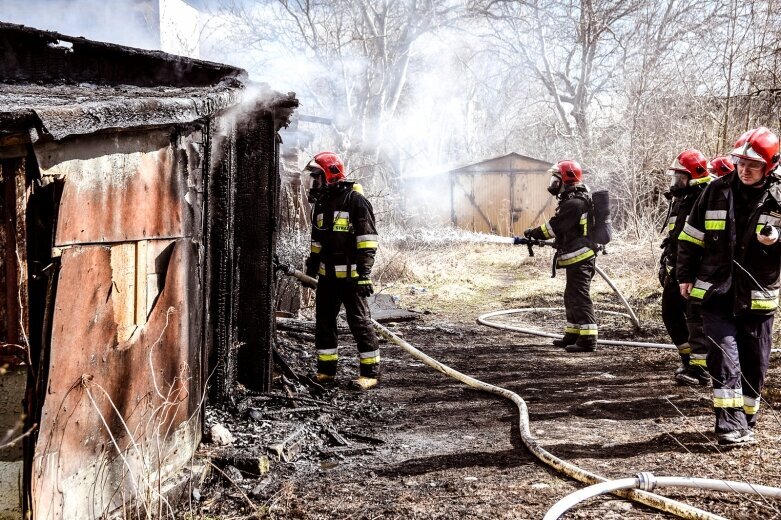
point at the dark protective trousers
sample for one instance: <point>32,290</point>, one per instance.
<point>330,296</point>
<point>699,345</point>
<point>577,300</point>
<point>674,315</point>
<point>737,362</point>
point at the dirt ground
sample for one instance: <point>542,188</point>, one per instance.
<point>423,446</point>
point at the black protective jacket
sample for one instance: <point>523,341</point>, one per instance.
<point>344,237</point>
<point>720,259</point>
<point>569,226</point>
<point>680,207</point>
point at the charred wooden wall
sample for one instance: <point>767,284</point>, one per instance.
<point>244,193</point>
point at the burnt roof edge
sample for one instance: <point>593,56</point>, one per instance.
<point>34,55</point>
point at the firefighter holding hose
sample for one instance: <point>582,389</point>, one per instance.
<point>689,175</point>
<point>569,227</point>
<point>344,242</point>
<point>729,258</point>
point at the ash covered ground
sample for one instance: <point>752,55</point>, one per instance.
<point>422,445</point>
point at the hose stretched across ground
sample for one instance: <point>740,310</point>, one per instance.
<point>649,481</point>
<point>532,444</point>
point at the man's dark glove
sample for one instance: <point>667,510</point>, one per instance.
<point>364,287</point>
<point>528,232</point>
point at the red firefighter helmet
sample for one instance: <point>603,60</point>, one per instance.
<point>759,144</point>
<point>569,171</point>
<point>330,164</point>
<point>693,162</point>
<point>721,165</point>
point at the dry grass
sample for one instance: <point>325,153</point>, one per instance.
<point>471,273</point>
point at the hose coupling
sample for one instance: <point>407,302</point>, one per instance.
<point>646,481</point>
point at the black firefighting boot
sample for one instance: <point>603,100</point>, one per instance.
<point>684,365</point>
<point>568,339</point>
<point>583,344</point>
<point>693,376</point>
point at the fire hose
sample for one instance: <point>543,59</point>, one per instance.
<point>532,444</point>
<point>485,319</point>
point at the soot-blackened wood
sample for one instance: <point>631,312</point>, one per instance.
<point>256,207</point>
<point>220,259</point>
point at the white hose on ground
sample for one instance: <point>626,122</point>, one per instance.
<point>485,319</point>
<point>648,481</point>
<point>532,444</point>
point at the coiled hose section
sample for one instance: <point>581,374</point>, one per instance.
<point>643,497</point>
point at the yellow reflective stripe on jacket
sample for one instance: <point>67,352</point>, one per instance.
<point>341,271</point>
<point>370,358</point>
<point>341,221</point>
<point>316,247</point>
<point>727,398</point>
<point>579,255</point>
<point>321,270</point>
<point>367,241</point>
<point>699,289</point>
<point>330,354</point>
<point>584,223</point>
<point>715,225</point>
<point>546,231</point>
<point>684,348</point>
<point>319,220</point>
<point>764,300</point>
<point>671,222</point>
<point>692,234</point>
<point>750,405</point>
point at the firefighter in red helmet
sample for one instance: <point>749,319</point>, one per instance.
<point>344,242</point>
<point>689,176</point>
<point>569,227</point>
<point>729,258</point>
<point>720,166</point>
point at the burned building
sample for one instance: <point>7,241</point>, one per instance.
<point>139,202</point>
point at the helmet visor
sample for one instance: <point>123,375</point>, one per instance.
<point>678,179</point>
<point>554,184</point>
<point>746,152</point>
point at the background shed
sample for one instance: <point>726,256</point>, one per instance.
<point>503,195</point>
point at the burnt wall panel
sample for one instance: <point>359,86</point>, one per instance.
<point>220,256</point>
<point>257,190</point>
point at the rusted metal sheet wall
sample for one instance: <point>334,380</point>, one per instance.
<point>502,196</point>
<point>125,352</point>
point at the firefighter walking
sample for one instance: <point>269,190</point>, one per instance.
<point>729,258</point>
<point>575,253</point>
<point>344,242</point>
<point>689,175</point>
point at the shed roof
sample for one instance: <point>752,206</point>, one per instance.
<point>474,167</point>
<point>57,85</point>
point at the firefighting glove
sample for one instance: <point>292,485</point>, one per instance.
<point>662,274</point>
<point>528,232</point>
<point>768,235</point>
<point>363,286</point>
